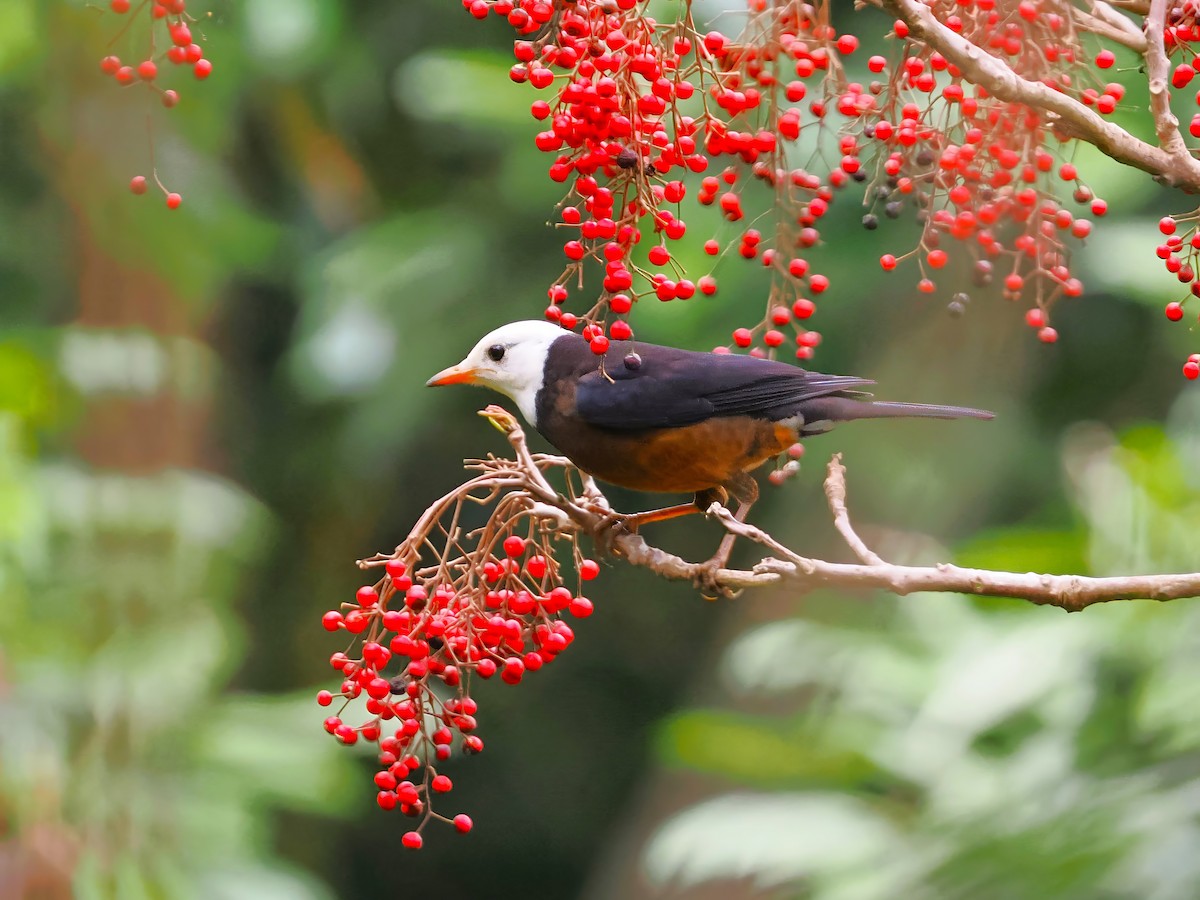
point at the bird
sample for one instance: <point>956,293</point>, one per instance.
<point>666,420</point>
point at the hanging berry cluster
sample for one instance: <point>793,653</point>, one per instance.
<point>640,113</point>
<point>985,175</point>
<point>451,610</point>
<point>1180,252</point>
<point>154,25</point>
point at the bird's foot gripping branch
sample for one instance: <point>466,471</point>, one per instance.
<point>458,604</point>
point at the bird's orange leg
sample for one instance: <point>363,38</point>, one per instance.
<point>637,520</point>
<point>631,523</point>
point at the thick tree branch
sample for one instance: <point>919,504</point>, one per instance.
<point>1170,163</point>
<point>590,514</point>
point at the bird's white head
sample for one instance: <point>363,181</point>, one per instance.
<point>511,360</point>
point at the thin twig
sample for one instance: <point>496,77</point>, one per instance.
<point>835,493</point>
<point>1106,22</point>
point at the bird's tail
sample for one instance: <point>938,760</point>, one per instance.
<point>844,409</point>
<point>886,409</point>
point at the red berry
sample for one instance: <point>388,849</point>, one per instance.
<point>173,201</point>
<point>463,823</point>
<point>1105,59</point>
<point>202,69</point>
<point>514,546</point>
<point>1047,335</point>
<point>366,596</point>
<point>620,304</point>
<point>1174,311</point>
<point>332,620</point>
<point>711,247</point>
<point>137,184</point>
<point>119,6</point>
<point>1035,317</point>
<point>588,569</point>
<point>441,784</point>
<point>1191,370</point>
<point>581,607</point>
<point>1166,225</point>
<point>887,262</point>
<point>386,799</point>
<point>147,70</point>
<point>170,99</point>
<point>514,669</point>
<point>412,840</point>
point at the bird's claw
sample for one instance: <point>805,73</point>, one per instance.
<point>612,526</point>
<point>707,581</point>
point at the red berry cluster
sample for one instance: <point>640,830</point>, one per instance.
<point>985,175</point>
<point>165,23</point>
<point>1180,251</point>
<point>1182,25</point>
<point>641,107</point>
<point>419,638</point>
<point>1180,254</point>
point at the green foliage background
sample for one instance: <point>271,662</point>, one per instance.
<point>207,415</point>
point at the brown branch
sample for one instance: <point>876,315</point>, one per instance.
<point>592,515</point>
<point>1170,163</point>
<point>1166,125</point>
<point>1106,22</point>
<point>835,493</point>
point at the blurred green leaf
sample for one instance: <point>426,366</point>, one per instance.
<point>1025,550</point>
<point>275,748</point>
<point>18,35</point>
<point>759,751</point>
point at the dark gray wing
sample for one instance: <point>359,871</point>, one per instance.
<point>673,388</point>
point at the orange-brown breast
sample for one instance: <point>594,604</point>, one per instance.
<point>685,459</point>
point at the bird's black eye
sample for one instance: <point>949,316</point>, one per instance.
<point>496,352</point>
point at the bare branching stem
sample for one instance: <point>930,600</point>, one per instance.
<point>591,514</point>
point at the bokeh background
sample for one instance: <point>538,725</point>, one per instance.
<point>207,415</point>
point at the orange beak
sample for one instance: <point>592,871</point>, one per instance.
<point>459,374</point>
